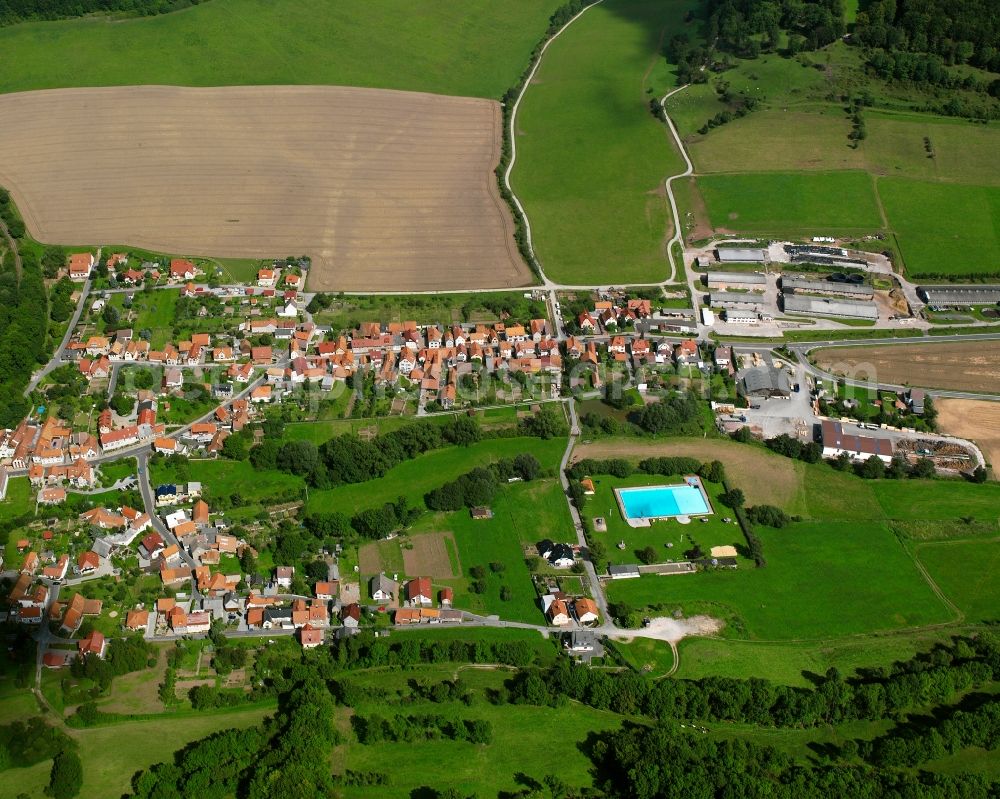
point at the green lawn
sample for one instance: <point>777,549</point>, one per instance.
<point>20,499</point>
<point>944,228</point>
<point>591,158</point>
<point>793,202</point>
<point>822,580</point>
<point>153,310</point>
<point>113,471</point>
<point>708,531</point>
<point>967,572</point>
<point>412,479</point>
<point>460,47</point>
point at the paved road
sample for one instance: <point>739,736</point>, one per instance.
<point>57,357</point>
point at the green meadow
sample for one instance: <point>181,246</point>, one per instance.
<point>822,580</point>
<point>967,573</point>
<point>776,202</point>
<point>591,158</point>
<point>414,478</point>
<point>461,47</point>
<point>944,228</point>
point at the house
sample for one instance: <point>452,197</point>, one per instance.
<point>558,613</point>
<point>383,589</point>
<point>283,576</point>
<point>57,572</point>
<point>917,399</point>
<point>350,615</point>
<point>136,620</point>
<point>167,446</point>
<point>266,278</point>
<point>93,644</point>
<point>586,610</point>
<point>80,264</point>
<point>51,496</point>
<point>152,546</point>
<point>87,562</point>
<point>623,572</point>
<point>686,353</point>
<point>325,590</point>
<point>418,591</point>
<point>181,269</point>
<point>309,637</point>
<point>446,597</point>
<point>167,494</point>
<point>559,556</point>
<point>199,513</point>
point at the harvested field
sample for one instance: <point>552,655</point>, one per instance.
<point>380,556</point>
<point>958,366</point>
<point>765,478</point>
<point>386,190</point>
<point>976,420</point>
<point>429,556</point>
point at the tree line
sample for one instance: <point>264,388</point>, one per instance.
<point>375,729</point>
<point>749,27</point>
<point>927,679</point>
<point>479,486</point>
<point>14,11</point>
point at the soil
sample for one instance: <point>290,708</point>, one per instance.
<point>973,366</point>
<point>429,556</point>
<point>976,420</point>
<point>673,630</point>
<point>385,190</point>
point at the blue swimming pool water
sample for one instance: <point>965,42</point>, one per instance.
<point>672,500</point>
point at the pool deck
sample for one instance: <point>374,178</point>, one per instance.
<point>647,521</point>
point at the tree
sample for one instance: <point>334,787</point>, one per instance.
<point>462,431</point>
<point>872,468</point>
<point>110,315</point>
<point>714,472</point>
<point>236,447</point>
<point>647,555</point>
<point>143,378</point>
<point>923,468</point>
<point>733,498</point>
<point>298,457</point>
<point>979,475</point>
<point>545,424</point>
<point>66,777</point>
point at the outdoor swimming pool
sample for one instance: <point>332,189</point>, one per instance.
<point>663,502</point>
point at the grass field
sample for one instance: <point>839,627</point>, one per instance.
<point>112,754</point>
<point>225,477</point>
<point>785,662</point>
<point>472,48</point>
<point>967,572</point>
<point>154,311</point>
<point>591,158</point>
<point>20,499</point>
<point>787,202</point>
<point>822,580</point>
<point>412,479</point>
<point>944,228</point>
<point>520,733</point>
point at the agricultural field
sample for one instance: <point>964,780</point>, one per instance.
<point>412,219</point>
<point>946,365</point>
<point>943,228</point>
<point>474,48</point>
<point>978,420</point>
<point>591,158</point>
<point>967,573</point>
<point>778,202</point>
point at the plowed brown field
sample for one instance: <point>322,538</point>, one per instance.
<point>964,366</point>
<point>978,420</point>
<point>386,190</point>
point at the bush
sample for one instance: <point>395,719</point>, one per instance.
<point>768,515</point>
<point>66,778</point>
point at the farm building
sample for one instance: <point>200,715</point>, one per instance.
<point>626,572</point>
<point>819,306</point>
<point>723,299</point>
<point>735,317</point>
<point>798,284</point>
<point>764,382</point>
<point>743,279</point>
<point>741,255</point>
<point>836,441</point>
<point>960,295</point>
